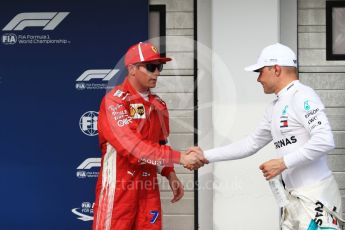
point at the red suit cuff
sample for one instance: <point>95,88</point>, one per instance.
<point>167,170</point>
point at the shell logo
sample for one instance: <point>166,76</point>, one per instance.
<point>132,111</point>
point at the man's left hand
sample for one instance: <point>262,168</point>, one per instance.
<point>272,168</point>
<point>176,187</point>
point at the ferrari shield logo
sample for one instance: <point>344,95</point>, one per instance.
<point>154,49</point>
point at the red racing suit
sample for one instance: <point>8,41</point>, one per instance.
<point>130,130</point>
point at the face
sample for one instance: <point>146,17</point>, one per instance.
<point>268,79</point>
<point>145,75</point>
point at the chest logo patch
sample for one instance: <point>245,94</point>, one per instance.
<point>284,118</point>
<point>284,123</point>
<point>137,111</point>
<point>285,110</point>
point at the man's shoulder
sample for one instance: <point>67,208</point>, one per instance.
<point>305,98</point>
<point>158,99</point>
<point>305,92</point>
<point>117,94</point>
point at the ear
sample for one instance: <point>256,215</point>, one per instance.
<point>278,70</point>
<point>131,69</point>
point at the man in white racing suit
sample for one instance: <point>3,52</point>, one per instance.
<point>297,124</point>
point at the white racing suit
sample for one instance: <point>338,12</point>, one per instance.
<point>305,212</point>
<point>299,128</point>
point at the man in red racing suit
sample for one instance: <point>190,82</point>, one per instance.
<point>133,126</point>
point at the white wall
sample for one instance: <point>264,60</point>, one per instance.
<point>205,128</point>
<point>242,199</point>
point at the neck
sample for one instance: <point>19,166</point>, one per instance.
<point>285,82</point>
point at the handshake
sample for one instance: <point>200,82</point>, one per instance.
<point>193,158</point>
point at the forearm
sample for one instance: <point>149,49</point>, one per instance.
<point>237,150</point>
<point>165,171</point>
<point>318,145</point>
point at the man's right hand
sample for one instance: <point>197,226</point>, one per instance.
<point>193,158</point>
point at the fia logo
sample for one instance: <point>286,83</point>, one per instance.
<point>88,123</point>
<point>9,39</point>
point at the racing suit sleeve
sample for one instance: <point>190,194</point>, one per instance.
<point>164,120</point>
<point>247,146</point>
<point>310,113</point>
<point>119,130</point>
<point>165,171</point>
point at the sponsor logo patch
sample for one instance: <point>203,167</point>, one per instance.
<point>315,125</point>
<point>312,120</point>
<point>284,124</point>
<point>285,141</point>
<point>153,162</point>
<point>137,111</point>
<point>306,105</point>
<point>284,118</point>
<point>318,213</point>
<point>311,112</point>
<point>285,110</point>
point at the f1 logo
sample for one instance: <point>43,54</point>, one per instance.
<point>90,163</point>
<point>48,20</point>
<point>104,74</point>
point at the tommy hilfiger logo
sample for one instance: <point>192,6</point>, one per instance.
<point>284,123</point>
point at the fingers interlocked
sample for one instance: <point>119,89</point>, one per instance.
<point>193,158</point>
